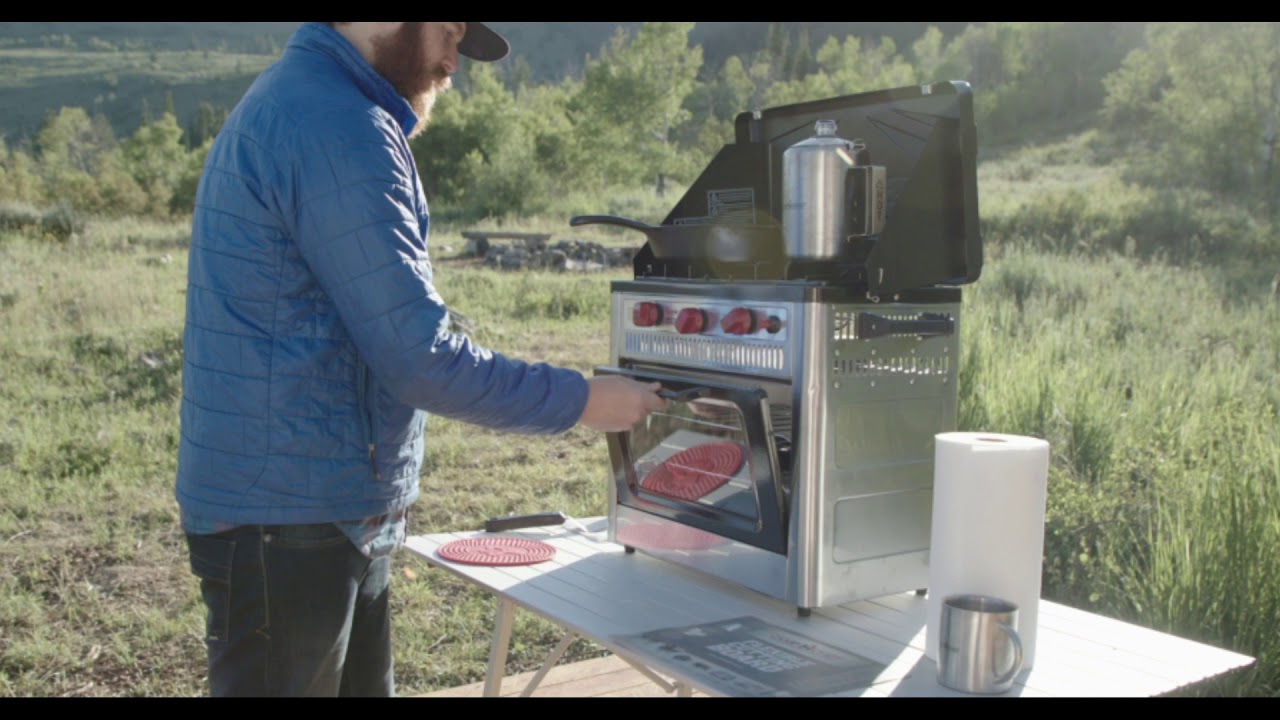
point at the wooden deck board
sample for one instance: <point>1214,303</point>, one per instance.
<point>608,676</point>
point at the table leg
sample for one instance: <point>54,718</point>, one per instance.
<point>656,678</point>
<point>549,663</point>
<point>498,650</point>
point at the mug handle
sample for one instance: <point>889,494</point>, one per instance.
<point>1017,654</point>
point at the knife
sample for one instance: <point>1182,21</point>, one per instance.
<point>515,522</point>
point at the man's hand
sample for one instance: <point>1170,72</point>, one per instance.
<point>615,403</point>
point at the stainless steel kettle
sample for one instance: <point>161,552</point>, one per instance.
<point>830,193</point>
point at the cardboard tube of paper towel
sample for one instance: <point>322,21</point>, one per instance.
<point>987,536</point>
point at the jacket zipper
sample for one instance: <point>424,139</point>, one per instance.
<point>366,415</point>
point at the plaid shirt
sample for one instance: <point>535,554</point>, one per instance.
<point>375,536</point>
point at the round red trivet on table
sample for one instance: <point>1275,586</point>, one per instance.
<point>695,471</point>
<point>500,550</point>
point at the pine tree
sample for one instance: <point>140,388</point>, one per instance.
<point>802,62</point>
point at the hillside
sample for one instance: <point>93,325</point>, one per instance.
<point>113,68</point>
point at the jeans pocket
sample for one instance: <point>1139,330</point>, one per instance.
<point>211,562</point>
<point>318,536</point>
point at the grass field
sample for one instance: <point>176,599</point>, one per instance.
<point>1152,381</point>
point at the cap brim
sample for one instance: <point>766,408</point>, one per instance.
<point>481,43</point>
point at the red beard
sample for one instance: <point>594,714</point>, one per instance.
<point>402,60</point>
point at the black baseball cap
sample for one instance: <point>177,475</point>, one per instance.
<point>481,43</point>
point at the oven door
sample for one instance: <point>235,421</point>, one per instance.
<point>709,461</point>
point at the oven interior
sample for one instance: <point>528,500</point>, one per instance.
<point>719,456</point>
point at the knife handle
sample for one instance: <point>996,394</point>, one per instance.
<point>515,522</point>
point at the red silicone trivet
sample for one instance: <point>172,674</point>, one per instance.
<point>696,471</point>
<point>496,551</point>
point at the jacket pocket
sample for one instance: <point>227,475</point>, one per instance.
<point>211,562</point>
<point>364,394</point>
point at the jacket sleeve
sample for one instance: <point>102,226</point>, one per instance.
<point>357,228</point>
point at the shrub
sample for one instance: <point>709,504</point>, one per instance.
<point>1115,216</point>
<point>59,223</point>
<point>19,217</point>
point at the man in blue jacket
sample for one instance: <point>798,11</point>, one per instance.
<point>315,345</point>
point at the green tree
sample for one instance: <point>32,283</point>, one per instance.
<point>776,43</point>
<point>631,101</point>
<point>68,142</point>
<point>19,177</point>
<point>207,122</point>
<point>117,193</point>
<point>1034,77</point>
<point>928,56</point>
<point>814,86</point>
<point>544,112</point>
<point>493,153</point>
<point>155,157</point>
<point>1206,98</point>
<point>713,106</point>
<point>70,151</point>
<point>521,74</point>
<point>801,61</point>
<point>845,68</point>
<point>1053,74</point>
<point>878,65</point>
<point>183,199</point>
<point>80,165</point>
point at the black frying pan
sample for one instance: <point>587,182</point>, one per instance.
<point>724,243</point>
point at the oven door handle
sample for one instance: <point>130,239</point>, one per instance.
<point>687,395</point>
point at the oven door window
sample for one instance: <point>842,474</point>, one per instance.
<point>707,461</point>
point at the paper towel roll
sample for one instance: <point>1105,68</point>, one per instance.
<point>987,535</point>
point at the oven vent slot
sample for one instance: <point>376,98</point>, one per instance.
<point>706,352</point>
<point>870,326</point>
<point>904,365</point>
<point>846,327</point>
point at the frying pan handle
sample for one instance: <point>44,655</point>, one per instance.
<point>577,220</point>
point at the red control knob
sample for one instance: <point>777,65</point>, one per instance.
<point>739,321</point>
<point>646,314</point>
<point>691,321</point>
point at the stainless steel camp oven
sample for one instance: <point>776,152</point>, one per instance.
<point>796,460</point>
<point>807,380</point>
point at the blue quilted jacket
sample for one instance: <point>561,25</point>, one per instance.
<point>315,341</point>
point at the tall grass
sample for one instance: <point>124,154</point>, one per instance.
<point>1211,569</point>
<point>1156,392</point>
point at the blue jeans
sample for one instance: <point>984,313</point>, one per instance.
<point>293,610</point>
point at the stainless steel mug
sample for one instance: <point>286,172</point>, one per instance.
<point>979,650</point>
